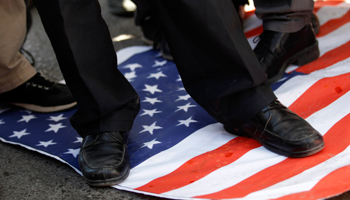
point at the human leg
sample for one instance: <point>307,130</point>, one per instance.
<point>284,15</point>
<point>19,82</point>
<point>14,67</point>
<point>288,36</point>
<point>221,73</point>
<point>107,102</point>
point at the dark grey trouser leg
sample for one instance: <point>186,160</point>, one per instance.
<point>284,15</point>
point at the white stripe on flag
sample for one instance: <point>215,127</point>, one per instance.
<point>296,86</point>
<point>205,139</point>
<point>327,13</point>
<point>304,181</point>
<point>251,23</point>
<point>334,39</point>
<point>344,4</point>
<point>260,158</point>
<point>331,114</point>
<point>126,53</point>
<point>252,162</point>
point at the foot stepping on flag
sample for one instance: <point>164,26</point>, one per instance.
<point>178,151</point>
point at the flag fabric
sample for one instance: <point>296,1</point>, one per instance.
<point>178,151</point>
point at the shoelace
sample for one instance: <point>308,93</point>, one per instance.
<point>39,82</point>
<point>35,85</point>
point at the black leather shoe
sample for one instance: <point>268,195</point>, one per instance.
<point>103,158</point>
<point>277,50</point>
<point>281,131</point>
<point>315,22</point>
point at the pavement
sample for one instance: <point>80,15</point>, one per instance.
<point>25,174</point>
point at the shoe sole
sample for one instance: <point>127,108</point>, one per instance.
<point>109,182</point>
<point>301,58</point>
<point>300,154</point>
<point>43,109</point>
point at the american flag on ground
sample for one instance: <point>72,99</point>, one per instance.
<point>178,151</point>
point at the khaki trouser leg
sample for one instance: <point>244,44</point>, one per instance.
<point>15,69</point>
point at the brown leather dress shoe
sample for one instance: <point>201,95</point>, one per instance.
<point>281,131</point>
<point>103,158</point>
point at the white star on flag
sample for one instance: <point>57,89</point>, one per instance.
<point>2,122</point>
<point>19,134</point>
<point>55,127</point>
<point>157,75</point>
<point>179,79</point>
<point>150,128</point>
<point>151,100</point>
<point>79,140</point>
<point>181,88</point>
<point>152,88</point>
<point>46,144</point>
<point>133,66</point>
<point>158,55</point>
<point>57,118</point>
<point>26,118</point>
<point>74,152</point>
<point>130,76</point>
<point>186,122</point>
<point>150,112</point>
<point>157,63</point>
<point>185,97</point>
<point>185,107</point>
<point>150,144</point>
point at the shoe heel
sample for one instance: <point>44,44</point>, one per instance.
<point>308,55</point>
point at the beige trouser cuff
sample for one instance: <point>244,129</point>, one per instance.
<point>15,69</point>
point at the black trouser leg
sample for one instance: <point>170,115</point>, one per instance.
<point>83,47</point>
<point>217,65</point>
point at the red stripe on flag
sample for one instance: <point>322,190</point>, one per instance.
<point>336,140</point>
<point>327,3</point>
<point>256,31</point>
<point>327,89</point>
<point>328,59</point>
<point>334,183</point>
<point>333,24</point>
<point>200,166</point>
<point>316,9</point>
<point>249,13</point>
